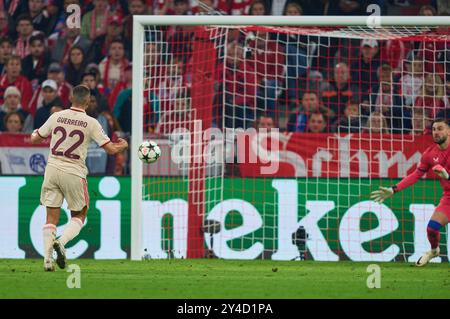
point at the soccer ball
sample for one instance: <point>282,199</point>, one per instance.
<point>149,152</point>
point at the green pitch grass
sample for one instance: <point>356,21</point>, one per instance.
<point>222,279</point>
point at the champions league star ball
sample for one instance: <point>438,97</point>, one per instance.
<point>149,152</point>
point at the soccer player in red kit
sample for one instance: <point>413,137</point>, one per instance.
<point>437,158</point>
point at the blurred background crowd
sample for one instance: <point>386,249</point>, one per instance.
<point>41,59</point>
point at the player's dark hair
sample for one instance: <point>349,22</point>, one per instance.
<point>441,120</point>
<point>80,95</point>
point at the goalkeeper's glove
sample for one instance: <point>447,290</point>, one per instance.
<point>382,193</point>
<point>440,171</point>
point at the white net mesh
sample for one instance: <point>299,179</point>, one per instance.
<point>353,107</point>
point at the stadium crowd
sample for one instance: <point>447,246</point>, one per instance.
<point>391,87</point>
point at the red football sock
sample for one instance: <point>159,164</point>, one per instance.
<point>433,237</point>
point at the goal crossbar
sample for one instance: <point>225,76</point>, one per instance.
<point>293,20</point>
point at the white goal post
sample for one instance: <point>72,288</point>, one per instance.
<point>139,24</point>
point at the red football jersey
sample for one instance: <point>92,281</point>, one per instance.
<point>432,156</point>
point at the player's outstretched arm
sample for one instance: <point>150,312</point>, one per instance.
<point>114,148</point>
<point>36,138</point>
<point>383,193</point>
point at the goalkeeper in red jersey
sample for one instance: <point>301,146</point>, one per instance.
<point>437,158</point>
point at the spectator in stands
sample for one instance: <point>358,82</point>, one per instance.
<point>376,123</point>
<point>13,122</point>
<point>181,7</point>
<point>269,59</point>
<point>315,82</point>
<point>320,7</point>
<point>50,99</point>
<point>70,38</point>
<point>12,77</point>
<point>135,7</point>
<point>172,84</point>
<point>339,92</point>
<point>265,121</point>
<point>94,69</point>
<point>90,81</point>
<point>443,7</point>
<point>258,8</point>
<point>39,16</point>
<point>279,7</point>
<point>421,123</point>
<point>56,73</point>
<point>292,9</point>
<point>385,99</point>
<point>384,95</point>
<point>14,9</point>
<point>353,7</point>
<point>364,70</point>
<point>433,98</point>
<point>317,123</point>
<point>58,16</point>
<point>179,39</point>
<point>96,159</point>
<point>427,10</point>
<point>296,55</point>
<point>412,80</point>
<point>205,7</point>
<point>351,121</point>
<point>34,65</point>
<point>6,49</point>
<point>122,109</point>
<point>116,163</point>
<point>55,109</point>
<point>76,66</point>
<point>100,46</point>
<point>95,21</point>
<point>12,103</point>
<point>112,68</point>
<point>179,116</point>
<point>25,30</point>
<point>124,83</point>
<point>4,29</point>
<point>239,87</point>
<point>298,119</point>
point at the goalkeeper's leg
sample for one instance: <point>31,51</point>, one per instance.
<point>438,220</point>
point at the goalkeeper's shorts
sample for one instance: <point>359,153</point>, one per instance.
<point>444,206</point>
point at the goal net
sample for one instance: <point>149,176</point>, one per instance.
<point>274,132</point>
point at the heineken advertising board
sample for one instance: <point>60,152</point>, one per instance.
<point>257,216</point>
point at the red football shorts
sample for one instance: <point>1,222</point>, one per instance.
<point>444,206</point>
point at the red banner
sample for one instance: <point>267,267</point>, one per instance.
<point>20,140</point>
<point>333,155</point>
